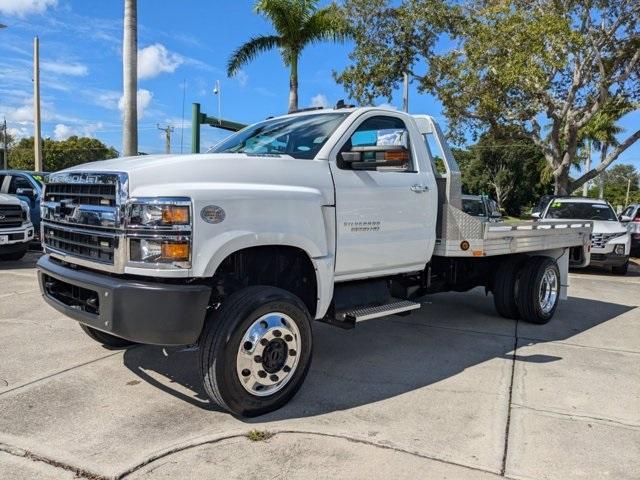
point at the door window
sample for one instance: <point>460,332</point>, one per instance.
<point>18,182</point>
<point>379,131</point>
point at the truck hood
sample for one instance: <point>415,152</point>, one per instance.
<point>10,200</point>
<point>171,175</point>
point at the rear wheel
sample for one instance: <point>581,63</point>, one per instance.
<point>106,339</point>
<point>505,287</point>
<point>255,350</point>
<point>538,290</point>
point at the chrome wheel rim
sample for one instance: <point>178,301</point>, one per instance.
<point>548,290</point>
<point>268,354</point>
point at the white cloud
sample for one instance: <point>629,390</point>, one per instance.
<point>144,100</point>
<point>156,59</point>
<point>319,100</point>
<point>62,131</point>
<point>388,106</point>
<point>18,133</point>
<point>22,115</point>
<point>73,69</point>
<point>242,78</point>
<point>25,7</point>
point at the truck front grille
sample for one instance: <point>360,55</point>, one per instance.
<point>82,193</point>
<point>89,245</point>
<point>11,216</point>
<point>599,240</point>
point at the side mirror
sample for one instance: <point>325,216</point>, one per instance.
<point>625,218</point>
<point>26,192</point>
<point>535,215</point>
<point>374,156</point>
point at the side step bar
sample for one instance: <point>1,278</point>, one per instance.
<point>348,318</point>
<point>367,313</point>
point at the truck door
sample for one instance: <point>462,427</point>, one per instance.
<point>385,218</point>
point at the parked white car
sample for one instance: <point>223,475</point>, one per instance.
<point>610,240</point>
<point>16,229</point>
<point>631,218</point>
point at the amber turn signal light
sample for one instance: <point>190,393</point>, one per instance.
<point>175,215</point>
<point>177,252</point>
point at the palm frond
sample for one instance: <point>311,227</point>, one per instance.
<point>287,16</point>
<point>327,23</point>
<point>248,51</point>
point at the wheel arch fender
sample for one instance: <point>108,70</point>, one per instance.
<point>229,243</point>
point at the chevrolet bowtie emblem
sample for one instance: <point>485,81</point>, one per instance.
<point>2,217</point>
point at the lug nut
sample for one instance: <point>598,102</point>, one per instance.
<point>288,338</point>
<point>246,372</point>
<point>262,374</point>
<point>257,359</point>
<point>277,333</point>
<point>264,342</point>
<point>292,352</point>
<point>247,345</point>
<point>286,369</point>
<point>273,378</point>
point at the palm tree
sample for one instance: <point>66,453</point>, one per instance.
<point>297,23</point>
<point>130,79</point>
<point>600,133</point>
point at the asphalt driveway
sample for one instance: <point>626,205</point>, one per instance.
<point>450,392</point>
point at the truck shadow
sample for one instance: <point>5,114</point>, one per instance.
<point>387,357</point>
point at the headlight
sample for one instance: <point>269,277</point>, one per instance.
<point>160,251</point>
<point>26,214</point>
<point>619,249</point>
<point>158,215</point>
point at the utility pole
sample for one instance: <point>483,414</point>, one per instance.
<point>130,79</point>
<point>5,142</point>
<point>168,130</point>
<point>405,92</point>
<point>37,134</point>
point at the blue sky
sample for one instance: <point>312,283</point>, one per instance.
<point>186,41</point>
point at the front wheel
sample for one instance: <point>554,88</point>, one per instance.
<point>255,350</point>
<point>106,339</point>
<point>621,270</point>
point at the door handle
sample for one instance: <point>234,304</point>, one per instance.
<point>419,188</point>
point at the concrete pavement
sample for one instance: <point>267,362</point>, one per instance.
<point>452,391</point>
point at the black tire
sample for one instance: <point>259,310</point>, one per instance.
<point>106,339</point>
<point>505,287</point>
<point>620,270</point>
<point>13,256</point>
<point>529,284</point>
<point>220,342</point>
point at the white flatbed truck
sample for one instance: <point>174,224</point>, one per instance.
<point>333,215</point>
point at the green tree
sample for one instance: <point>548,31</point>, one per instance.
<point>616,180</point>
<point>521,63</point>
<point>508,166</point>
<point>297,23</point>
<point>60,154</point>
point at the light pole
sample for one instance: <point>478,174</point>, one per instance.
<point>218,93</point>
<point>37,133</point>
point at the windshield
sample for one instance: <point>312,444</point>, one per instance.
<point>474,207</point>
<point>299,136</point>
<point>581,211</point>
